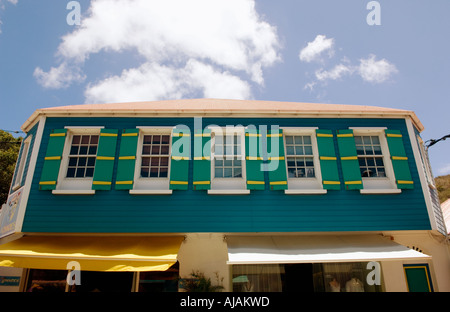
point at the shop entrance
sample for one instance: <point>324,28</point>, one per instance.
<point>418,277</point>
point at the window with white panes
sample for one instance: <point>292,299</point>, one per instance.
<point>299,156</point>
<point>17,182</point>
<point>370,156</point>
<point>227,156</point>
<point>82,156</point>
<point>155,156</point>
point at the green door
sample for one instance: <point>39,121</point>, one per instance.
<point>418,278</point>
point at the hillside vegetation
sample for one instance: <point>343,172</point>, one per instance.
<point>443,187</point>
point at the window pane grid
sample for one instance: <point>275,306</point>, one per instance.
<point>155,156</point>
<point>82,156</point>
<point>227,154</point>
<point>368,145</point>
<point>299,156</point>
<point>370,157</point>
<point>227,168</point>
<point>19,175</point>
<point>227,146</point>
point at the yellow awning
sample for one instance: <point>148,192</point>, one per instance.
<point>133,254</point>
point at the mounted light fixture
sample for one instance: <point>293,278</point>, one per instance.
<point>433,141</point>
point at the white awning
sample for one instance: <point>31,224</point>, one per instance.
<point>316,249</point>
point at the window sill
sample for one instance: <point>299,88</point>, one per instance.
<point>16,187</point>
<point>229,192</point>
<point>150,192</point>
<point>73,192</point>
<point>305,192</point>
<point>380,191</point>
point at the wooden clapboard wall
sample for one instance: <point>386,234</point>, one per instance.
<point>187,210</point>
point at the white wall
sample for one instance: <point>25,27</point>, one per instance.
<point>207,253</point>
<point>433,244</point>
<point>394,276</point>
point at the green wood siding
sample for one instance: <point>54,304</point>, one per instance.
<point>180,159</point>
<point>52,160</point>
<point>328,160</point>
<point>127,159</point>
<point>277,162</point>
<point>349,160</point>
<point>399,159</point>
<point>202,160</point>
<point>254,160</point>
<point>104,163</point>
<point>116,211</point>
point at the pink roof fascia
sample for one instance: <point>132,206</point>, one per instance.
<point>212,106</point>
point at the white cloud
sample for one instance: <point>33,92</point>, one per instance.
<point>316,48</point>
<point>444,170</point>
<point>2,3</point>
<point>310,85</point>
<point>337,72</point>
<point>375,71</point>
<point>148,82</point>
<point>58,77</point>
<point>215,84</point>
<point>152,81</point>
<point>2,6</point>
<point>369,69</point>
<point>220,41</point>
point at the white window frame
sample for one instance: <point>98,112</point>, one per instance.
<point>378,185</point>
<point>311,185</point>
<point>17,183</point>
<point>228,185</point>
<point>151,185</point>
<point>68,186</point>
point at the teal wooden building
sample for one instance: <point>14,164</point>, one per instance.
<point>264,193</point>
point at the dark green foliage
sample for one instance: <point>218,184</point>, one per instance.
<point>9,150</point>
<point>199,283</point>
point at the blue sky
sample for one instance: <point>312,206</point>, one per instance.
<point>320,51</point>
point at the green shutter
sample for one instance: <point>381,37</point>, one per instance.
<point>328,160</point>
<point>127,159</point>
<point>179,163</point>
<point>104,164</point>
<point>52,161</point>
<point>399,160</point>
<point>349,160</point>
<point>202,160</point>
<point>253,160</point>
<point>277,162</point>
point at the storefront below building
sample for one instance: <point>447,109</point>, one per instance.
<point>264,263</point>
